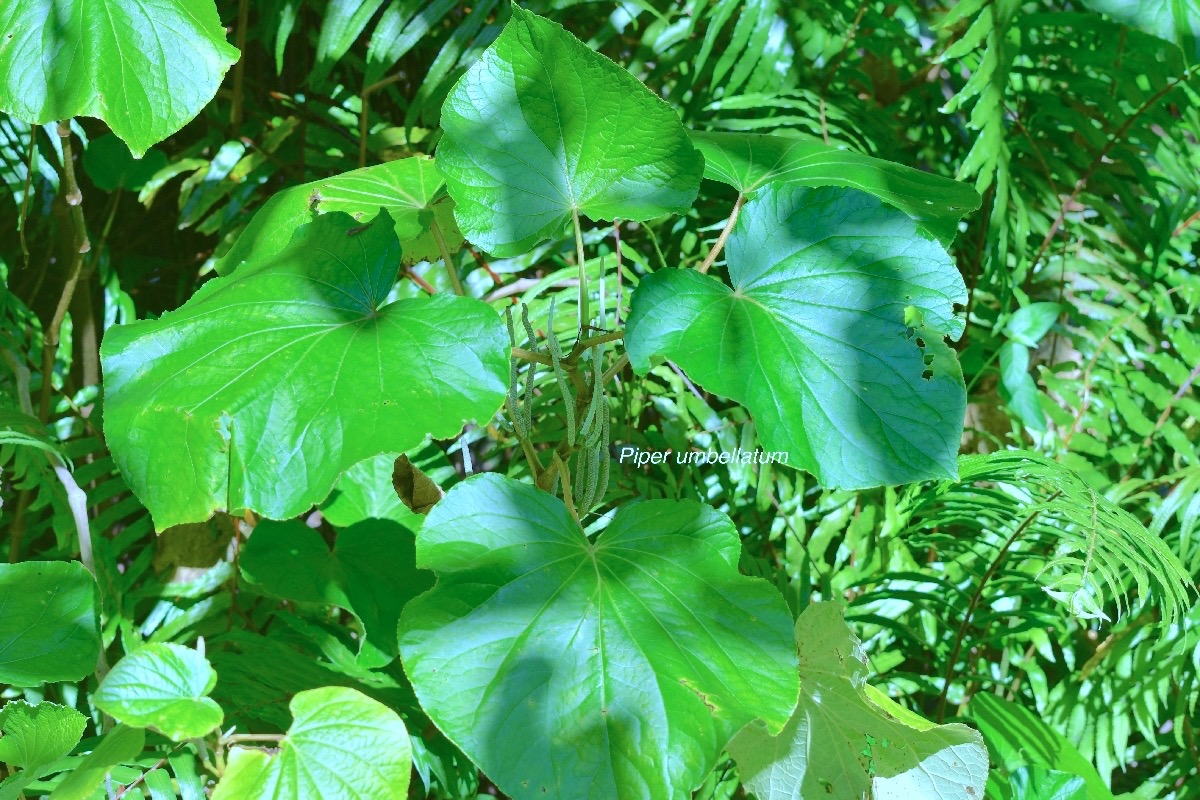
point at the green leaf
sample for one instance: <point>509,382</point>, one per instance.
<point>747,161</point>
<point>49,629</point>
<point>541,127</point>
<point>32,736</point>
<point>1019,390</point>
<point>111,166</point>
<point>832,335</point>
<point>1039,783</point>
<point>119,745</point>
<point>366,491</point>
<point>371,573</point>
<point>340,743</point>
<point>409,188</point>
<point>846,742</point>
<point>1018,737</point>
<point>162,686</point>
<point>146,70</point>
<point>1030,323</point>
<point>1176,21</point>
<point>568,668</point>
<point>296,371</point>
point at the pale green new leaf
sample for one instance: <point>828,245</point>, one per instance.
<point>32,736</point>
<point>145,67</point>
<point>832,335</point>
<point>747,161</point>
<point>49,630</point>
<point>370,573</point>
<point>846,742</point>
<point>541,127</point>
<point>410,189</point>
<point>571,668</point>
<point>341,744</point>
<point>269,383</point>
<point>162,686</point>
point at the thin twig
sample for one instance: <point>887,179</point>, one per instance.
<point>720,243</point>
<point>976,597</point>
<point>33,129</point>
<point>50,338</point>
<point>363,114</point>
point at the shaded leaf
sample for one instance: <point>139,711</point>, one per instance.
<point>831,335</point>
<point>49,629</point>
<point>119,745</point>
<point>1176,21</point>
<point>371,573</point>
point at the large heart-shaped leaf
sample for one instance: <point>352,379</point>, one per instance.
<point>269,383</point>
<point>162,686</point>
<point>49,630</point>
<point>832,335</point>
<point>145,68</point>
<point>846,741</point>
<point>371,573</point>
<point>410,189</point>
<point>542,127</point>
<point>341,744</point>
<point>32,736</point>
<point>568,668</point>
<point>747,161</point>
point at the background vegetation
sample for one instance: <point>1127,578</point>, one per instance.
<point>1079,130</point>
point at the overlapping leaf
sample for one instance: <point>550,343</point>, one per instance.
<point>1176,21</point>
<point>846,742</point>
<point>146,67</point>
<point>32,736</point>
<point>409,188</point>
<point>571,669</point>
<point>542,127</point>
<point>831,335</point>
<point>747,161</point>
<point>341,744</point>
<point>371,573</point>
<point>269,383</point>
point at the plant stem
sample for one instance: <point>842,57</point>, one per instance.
<point>582,345</point>
<point>564,474</point>
<point>24,218</point>
<point>529,355</point>
<point>584,316</point>
<point>612,371</point>
<point>50,338</point>
<point>720,243</point>
<point>363,114</point>
<point>451,269</point>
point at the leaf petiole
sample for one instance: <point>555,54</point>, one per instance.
<point>720,243</point>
